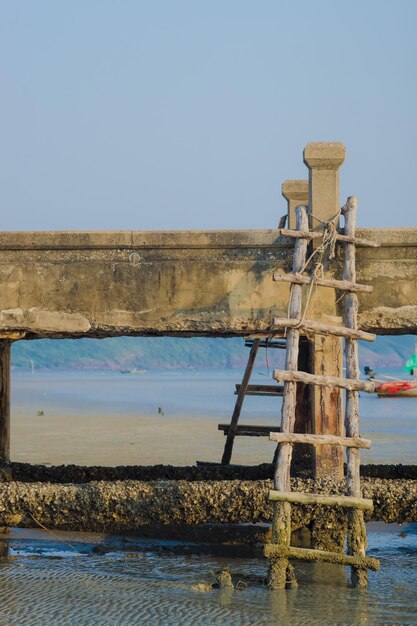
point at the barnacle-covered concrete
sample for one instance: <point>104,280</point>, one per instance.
<point>127,506</point>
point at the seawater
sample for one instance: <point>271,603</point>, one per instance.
<point>148,582</point>
<point>143,582</point>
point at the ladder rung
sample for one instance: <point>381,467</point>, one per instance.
<point>297,497</point>
<point>324,381</point>
<point>272,551</point>
<point>310,234</point>
<point>262,390</point>
<point>248,430</point>
<point>315,440</point>
<point>324,329</point>
<point>267,343</point>
<point>323,282</point>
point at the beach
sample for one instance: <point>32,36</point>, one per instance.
<point>108,418</point>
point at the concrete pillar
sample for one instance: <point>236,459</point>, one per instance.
<point>295,192</point>
<point>323,161</point>
<point>4,401</point>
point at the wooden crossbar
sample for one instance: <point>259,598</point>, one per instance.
<point>248,430</point>
<point>308,234</point>
<point>344,285</point>
<point>320,328</point>
<point>324,381</point>
<point>261,390</point>
<point>315,440</point>
<point>297,497</point>
<point>268,343</point>
<point>272,551</point>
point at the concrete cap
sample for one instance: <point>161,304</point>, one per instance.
<point>324,155</point>
<point>295,190</point>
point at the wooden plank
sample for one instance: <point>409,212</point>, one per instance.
<point>308,234</point>
<point>324,381</point>
<point>228,446</point>
<point>329,440</point>
<point>296,497</point>
<point>344,285</point>
<point>248,430</point>
<point>4,401</point>
<point>356,540</point>
<point>268,343</point>
<point>320,328</point>
<point>262,390</point>
<point>274,551</point>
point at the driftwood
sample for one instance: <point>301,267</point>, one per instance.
<point>330,440</point>
<point>344,285</point>
<point>272,551</point>
<point>320,328</point>
<point>324,381</point>
<point>296,497</point>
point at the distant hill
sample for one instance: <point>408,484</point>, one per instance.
<point>177,353</point>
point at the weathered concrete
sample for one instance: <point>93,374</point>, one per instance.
<point>126,506</point>
<point>191,283</point>
<point>295,192</point>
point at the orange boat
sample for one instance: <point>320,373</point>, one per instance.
<point>397,389</point>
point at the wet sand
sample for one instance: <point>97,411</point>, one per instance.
<point>126,440</point>
<point>111,419</point>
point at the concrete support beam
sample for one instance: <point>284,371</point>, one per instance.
<point>324,161</point>
<point>4,401</point>
<point>295,192</point>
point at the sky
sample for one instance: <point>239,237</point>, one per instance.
<point>177,114</point>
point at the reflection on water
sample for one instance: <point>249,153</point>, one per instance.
<point>150,584</point>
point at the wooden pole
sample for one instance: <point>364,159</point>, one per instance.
<point>281,522</point>
<point>4,401</point>
<point>357,532</point>
<point>228,446</point>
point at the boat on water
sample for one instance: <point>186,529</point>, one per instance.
<point>132,371</point>
<point>397,389</point>
<point>393,387</point>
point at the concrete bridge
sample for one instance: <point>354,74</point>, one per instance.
<point>206,283</point>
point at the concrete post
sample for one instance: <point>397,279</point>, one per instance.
<point>323,161</point>
<point>295,192</point>
<point>4,401</point>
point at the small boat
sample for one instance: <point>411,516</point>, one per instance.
<point>132,371</point>
<point>397,389</point>
<point>394,388</point>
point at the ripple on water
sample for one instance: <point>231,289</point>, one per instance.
<point>157,589</point>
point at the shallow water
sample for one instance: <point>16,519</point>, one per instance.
<point>144,582</point>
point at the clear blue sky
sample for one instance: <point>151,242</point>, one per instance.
<point>189,114</point>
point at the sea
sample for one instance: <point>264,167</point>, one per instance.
<point>171,417</point>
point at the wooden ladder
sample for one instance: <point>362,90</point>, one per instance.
<point>233,429</point>
<point>279,551</point>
